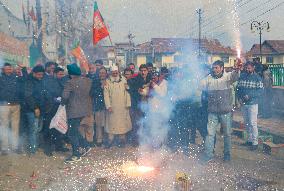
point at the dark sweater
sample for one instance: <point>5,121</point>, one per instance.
<point>9,89</point>
<point>249,85</point>
<point>98,92</point>
<point>34,94</point>
<point>134,85</point>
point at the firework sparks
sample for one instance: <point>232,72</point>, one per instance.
<point>239,53</point>
<point>135,170</point>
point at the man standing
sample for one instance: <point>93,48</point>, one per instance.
<point>34,99</point>
<point>49,68</point>
<point>54,88</point>
<point>139,90</point>
<point>92,74</point>
<point>265,106</point>
<point>218,85</point>
<point>117,101</point>
<point>131,66</point>
<point>99,105</point>
<point>77,98</point>
<point>9,110</point>
<point>249,90</point>
<point>155,128</point>
<point>150,68</point>
<point>128,73</point>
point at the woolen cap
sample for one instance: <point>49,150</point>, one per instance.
<point>74,69</point>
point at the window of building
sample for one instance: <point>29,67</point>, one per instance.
<point>178,58</point>
<point>269,59</point>
<point>149,58</point>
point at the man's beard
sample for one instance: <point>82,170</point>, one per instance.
<point>115,79</point>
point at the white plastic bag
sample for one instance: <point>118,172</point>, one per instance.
<point>59,121</point>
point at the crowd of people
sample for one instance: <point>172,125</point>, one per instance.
<point>103,107</point>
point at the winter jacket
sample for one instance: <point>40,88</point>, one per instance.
<point>54,89</point>
<point>249,85</point>
<point>77,96</point>
<point>34,94</point>
<point>99,101</point>
<point>9,89</point>
<point>21,84</point>
<point>94,76</point>
<point>134,85</point>
<point>219,92</point>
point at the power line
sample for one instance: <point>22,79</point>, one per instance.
<point>271,9</point>
<point>235,11</point>
<point>221,13</point>
<point>242,23</point>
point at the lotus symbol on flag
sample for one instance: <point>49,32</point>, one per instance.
<point>98,24</point>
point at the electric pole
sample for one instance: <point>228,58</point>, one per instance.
<point>199,12</point>
<point>260,26</point>
<point>130,37</point>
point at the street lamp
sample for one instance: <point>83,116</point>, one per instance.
<point>259,26</point>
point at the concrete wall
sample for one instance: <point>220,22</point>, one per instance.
<point>230,63</point>
<point>141,59</point>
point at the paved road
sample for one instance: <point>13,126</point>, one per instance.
<point>247,171</point>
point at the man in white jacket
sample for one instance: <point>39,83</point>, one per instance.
<point>218,85</point>
<point>155,132</point>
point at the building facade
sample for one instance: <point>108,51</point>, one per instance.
<point>175,52</point>
<point>272,52</point>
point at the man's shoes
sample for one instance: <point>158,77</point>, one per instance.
<point>253,147</point>
<point>72,159</point>
<point>204,159</point>
<point>4,152</point>
<point>135,144</point>
<point>247,144</point>
<point>93,144</point>
<point>99,144</point>
<point>109,145</point>
<point>86,151</point>
<point>122,144</point>
<point>48,153</point>
<point>18,151</point>
<point>227,157</point>
<point>62,149</point>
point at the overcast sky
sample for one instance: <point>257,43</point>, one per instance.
<point>177,18</point>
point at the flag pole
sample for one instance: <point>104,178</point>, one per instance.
<point>115,58</point>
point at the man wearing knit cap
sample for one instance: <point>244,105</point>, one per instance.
<point>77,98</point>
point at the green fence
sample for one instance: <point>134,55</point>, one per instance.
<point>277,71</point>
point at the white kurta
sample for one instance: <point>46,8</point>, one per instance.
<point>117,97</point>
<point>159,92</point>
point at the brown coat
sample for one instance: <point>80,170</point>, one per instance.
<point>77,97</point>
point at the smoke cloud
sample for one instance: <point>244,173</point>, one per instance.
<point>155,126</point>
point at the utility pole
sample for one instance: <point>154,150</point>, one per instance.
<point>259,26</point>
<point>199,12</point>
<point>130,37</point>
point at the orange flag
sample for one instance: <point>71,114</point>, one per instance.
<point>78,53</point>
